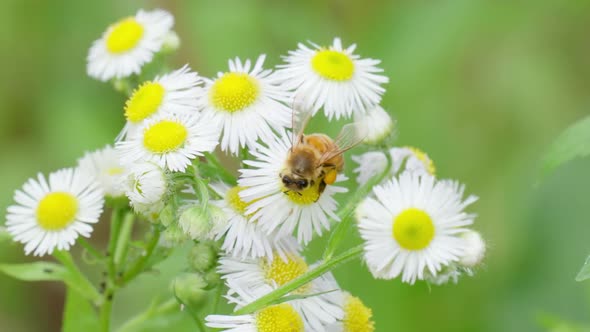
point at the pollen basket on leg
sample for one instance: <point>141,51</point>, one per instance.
<point>164,136</point>
<point>233,92</point>
<point>279,318</point>
<point>413,229</point>
<point>56,211</point>
<point>144,101</point>
<point>333,65</point>
<point>124,35</point>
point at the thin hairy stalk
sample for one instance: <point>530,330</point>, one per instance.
<point>164,308</point>
<point>90,249</point>
<point>78,280</point>
<point>346,215</point>
<point>122,246</point>
<point>277,294</point>
<point>116,220</point>
<point>140,263</point>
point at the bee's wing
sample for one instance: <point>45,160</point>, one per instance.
<point>347,139</point>
<point>300,116</point>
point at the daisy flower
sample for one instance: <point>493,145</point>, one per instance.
<point>333,78</point>
<point>146,187</point>
<point>171,141</point>
<point>105,166</point>
<point>173,93</point>
<point>370,164</point>
<point>253,278</point>
<point>246,104</point>
<point>413,226</point>
<point>275,207</point>
<point>375,125</point>
<point>280,317</point>
<point>413,159</point>
<point>51,214</point>
<point>357,316</point>
<point>245,238</point>
<point>128,44</point>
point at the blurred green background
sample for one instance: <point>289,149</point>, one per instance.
<point>482,86</point>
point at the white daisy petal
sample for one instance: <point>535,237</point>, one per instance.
<point>126,46</point>
<point>245,104</point>
<point>412,224</point>
<point>333,78</point>
<point>55,213</point>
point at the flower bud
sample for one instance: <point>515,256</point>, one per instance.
<point>201,223</point>
<point>375,125</point>
<point>189,288</point>
<point>213,278</point>
<point>171,42</point>
<point>475,249</point>
<point>173,236</point>
<point>167,215</point>
<point>202,256</point>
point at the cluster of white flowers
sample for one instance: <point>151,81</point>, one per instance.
<point>413,225</point>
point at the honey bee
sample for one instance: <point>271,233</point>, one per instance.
<point>315,159</point>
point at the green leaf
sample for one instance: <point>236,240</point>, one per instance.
<point>585,271</point>
<point>573,143</point>
<point>38,271</point>
<point>79,314</point>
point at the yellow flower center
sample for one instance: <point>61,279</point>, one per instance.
<point>56,211</point>
<point>279,318</point>
<point>144,101</point>
<point>164,136</point>
<point>413,229</point>
<point>423,157</point>
<point>281,272</point>
<point>115,171</point>
<point>306,196</point>
<point>234,91</point>
<point>333,65</point>
<point>357,317</point>
<point>124,35</point>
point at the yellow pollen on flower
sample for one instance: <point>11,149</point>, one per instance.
<point>115,171</point>
<point>164,136</point>
<point>144,101</point>
<point>56,211</point>
<point>281,272</point>
<point>333,65</point>
<point>124,35</point>
<point>357,316</point>
<point>423,157</point>
<point>233,92</point>
<point>307,196</point>
<point>279,318</point>
<point>235,201</point>
<point>413,229</point>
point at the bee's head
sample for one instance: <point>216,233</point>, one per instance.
<point>295,183</point>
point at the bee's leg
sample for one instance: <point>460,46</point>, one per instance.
<point>321,188</point>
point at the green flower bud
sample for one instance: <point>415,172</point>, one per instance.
<point>213,278</point>
<point>167,215</point>
<point>189,288</point>
<point>202,257</point>
<point>202,223</point>
<point>173,236</point>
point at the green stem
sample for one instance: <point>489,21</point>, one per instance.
<point>139,265</point>
<point>132,324</point>
<point>346,214</point>
<point>78,280</point>
<point>123,239</point>
<point>294,284</point>
<point>90,249</point>
<point>116,219</point>
<point>105,312</point>
<point>218,292</point>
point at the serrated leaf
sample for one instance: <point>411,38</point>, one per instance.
<point>79,314</point>
<point>38,271</point>
<point>584,273</point>
<point>573,143</point>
